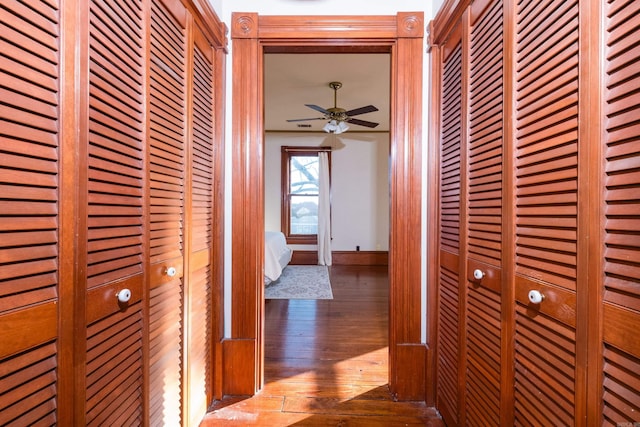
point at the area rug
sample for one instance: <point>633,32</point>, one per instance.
<point>301,282</point>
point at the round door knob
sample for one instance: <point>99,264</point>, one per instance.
<point>535,297</point>
<point>478,274</point>
<point>124,295</point>
<point>171,271</point>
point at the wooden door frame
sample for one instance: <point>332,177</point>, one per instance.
<point>400,35</point>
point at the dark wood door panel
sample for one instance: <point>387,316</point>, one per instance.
<point>167,185</point>
<point>621,221</point>
<point>29,212</point>
<point>450,216</point>
<point>484,217</point>
<point>546,211</point>
<point>198,298</point>
<point>115,201</point>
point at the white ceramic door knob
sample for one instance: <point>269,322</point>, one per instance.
<point>535,297</point>
<point>124,295</point>
<point>478,274</point>
<point>171,271</point>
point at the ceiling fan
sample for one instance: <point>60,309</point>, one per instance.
<point>338,116</point>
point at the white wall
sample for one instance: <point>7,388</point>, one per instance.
<point>359,187</point>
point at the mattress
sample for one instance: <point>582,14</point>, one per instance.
<point>276,255</point>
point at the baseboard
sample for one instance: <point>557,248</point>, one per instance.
<point>409,382</point>
<point>304,258</point>
<point>239,364</point>
<point>342,257</point>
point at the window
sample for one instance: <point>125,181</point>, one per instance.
<point>300,167</point>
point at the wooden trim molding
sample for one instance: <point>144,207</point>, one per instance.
<point>450,13</point>
<point>217,285</point>
<point>343,258</point>
<point>402,37</point>
<point>304,258</point>
<point>360,257</point>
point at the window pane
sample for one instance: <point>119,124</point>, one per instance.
<point>304,215</point>
<point>303,175</point>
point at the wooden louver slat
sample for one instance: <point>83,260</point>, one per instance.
<point>202,152</point>
<point>447,377</point>
<point>485,148</point>
<point>546,198</point>
<point>622,211</point>
<point>28,387</point>
<point>167,136</point>
<point>450,153</point>
<point>116,138</point>
<point>545,378</point>
<point>114,367</point>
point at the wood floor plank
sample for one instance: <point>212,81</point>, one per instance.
<point>326,362</point>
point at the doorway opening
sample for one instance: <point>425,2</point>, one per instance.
<point>400,36</point>
<point>327,348</point>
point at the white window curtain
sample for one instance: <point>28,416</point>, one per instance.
<point>324,211</point>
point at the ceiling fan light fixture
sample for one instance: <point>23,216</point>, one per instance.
<point>334,126</point>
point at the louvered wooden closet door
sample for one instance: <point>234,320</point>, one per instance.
<point>167,138</point>
<point>484,216</point>
<point>546,212</point>
<point>200,217</point>
<point>450,211</point>
<point>114,362</point>
<point>29,214</point>
<point>621,345</point>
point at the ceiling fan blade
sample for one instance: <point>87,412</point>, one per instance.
<point>315,107</point>
<point>362,110</point>
<point>362,123</point>
<point>304,120</point>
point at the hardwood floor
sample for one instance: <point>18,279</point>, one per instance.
<point>326,362</point>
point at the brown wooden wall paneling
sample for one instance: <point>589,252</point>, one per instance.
<point>621,217</point>
<point>29,214</point>
<point>251,34</point>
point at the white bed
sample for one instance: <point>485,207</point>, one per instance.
<point>276,255</point>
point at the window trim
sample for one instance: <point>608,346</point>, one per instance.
<point>286,153</point>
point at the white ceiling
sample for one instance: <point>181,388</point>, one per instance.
<point>294,79</point>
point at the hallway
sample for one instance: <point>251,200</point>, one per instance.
<point>326,362</point>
